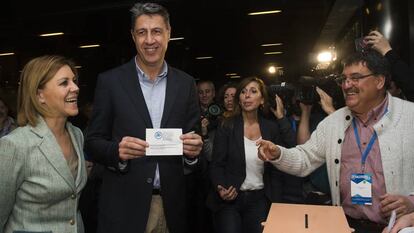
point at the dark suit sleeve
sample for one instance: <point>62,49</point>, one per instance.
<point>219,158</point>
<point>287,135</point>
<point>192,123</point>
<point>99,143</point>
<point>401,74</point>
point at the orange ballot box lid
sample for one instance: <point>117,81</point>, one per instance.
<point>289,218</point>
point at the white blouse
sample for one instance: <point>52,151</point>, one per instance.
<point>254,167</point>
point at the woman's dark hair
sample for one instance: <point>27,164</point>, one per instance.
<point>373,60</point>
<point>222,92</point>
<point>263,110</point>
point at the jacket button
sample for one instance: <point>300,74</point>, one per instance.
<point>149,180</point>
<point>347,118</point>
<point>336,161</point>
<point>339,141</point>
<point>72,222</point>
<point>336,183</point>
<point>73,196</point>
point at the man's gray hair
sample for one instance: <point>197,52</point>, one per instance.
<point>148,8</point>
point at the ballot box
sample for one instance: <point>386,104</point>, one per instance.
<point>292,218</point>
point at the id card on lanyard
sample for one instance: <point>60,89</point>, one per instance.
<point>361,183</point>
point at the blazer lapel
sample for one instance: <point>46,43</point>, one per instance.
<point>170,95</point>
<point>264,129</point>
<point>239,135</point>
<point>130,83</point>
<point>52,152</point>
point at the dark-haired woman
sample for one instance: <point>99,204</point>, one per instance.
<point>241,181</point>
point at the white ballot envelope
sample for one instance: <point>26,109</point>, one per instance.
<point>164,142</point>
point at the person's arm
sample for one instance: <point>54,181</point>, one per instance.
<point>11,177</point>
<point>287,135</point>
<point>218,164</point>
<point>400,71</point>
<point>99,144</point>
<point>208,145</point>
<point>192,141</point>
<point>303,133</point>
<point>300,160</point>
<point>219,157</point>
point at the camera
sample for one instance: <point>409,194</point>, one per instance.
<point>307,92</point>
<point>213,111</point>
<point>286,92</point>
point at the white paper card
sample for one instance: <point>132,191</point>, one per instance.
<point>392,220</point>
<point>164,142</point>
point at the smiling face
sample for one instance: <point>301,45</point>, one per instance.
<point>362,95</point>
<point>151,35</point>
<point>60,94</point>
<point>250,97</point>
<point>229,98</point>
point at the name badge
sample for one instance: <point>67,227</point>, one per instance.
<point>361,189</point>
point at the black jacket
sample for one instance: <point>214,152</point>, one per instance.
<point>120,110</point>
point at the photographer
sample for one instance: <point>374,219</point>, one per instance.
<point>316,186</point>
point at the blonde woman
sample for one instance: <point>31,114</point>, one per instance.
<point>42,170</point>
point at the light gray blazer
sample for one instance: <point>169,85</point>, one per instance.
<point>37,190</point>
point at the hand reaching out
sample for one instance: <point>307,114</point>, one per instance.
<point>267,151</point>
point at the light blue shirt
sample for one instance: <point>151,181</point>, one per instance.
<point>154,95</point>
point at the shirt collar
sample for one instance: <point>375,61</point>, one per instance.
<point>161,75</point>
<point>377,113</point>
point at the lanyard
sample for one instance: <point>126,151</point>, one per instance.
<point>364,154</point>
<point>293,124</point>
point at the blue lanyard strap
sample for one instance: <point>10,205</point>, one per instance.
<point>370,144</point>
<point>293,124</point>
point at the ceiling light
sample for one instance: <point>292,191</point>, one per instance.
<point>52,34</point>
<point>89,46</point>
<point>268,45</point>
<point>379,7</point>
<point>203,58</point>
<point>271,69</point>
<point>176,38</point>
<point>231,74</point>
<point>272,53</point>
<point>325,56</point>
<point>235,76</point>
<point>78,67</point>
<point>6,54</point>
<point>264,12</point>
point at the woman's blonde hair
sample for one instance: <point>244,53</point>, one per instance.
<point>36,73</point>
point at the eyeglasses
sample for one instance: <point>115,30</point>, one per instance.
<point>341,79</point>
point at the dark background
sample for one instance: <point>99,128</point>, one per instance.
<point>218,28</point>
